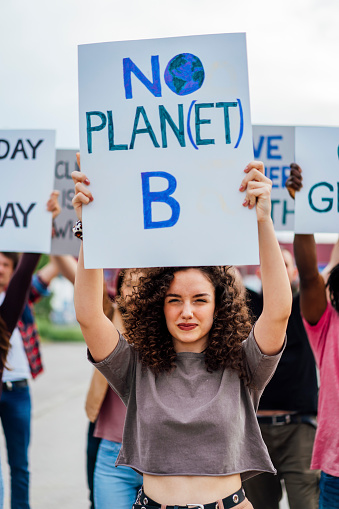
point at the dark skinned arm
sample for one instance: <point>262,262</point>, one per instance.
<point>313,300</point>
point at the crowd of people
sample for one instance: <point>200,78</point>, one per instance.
<point>205,393</point>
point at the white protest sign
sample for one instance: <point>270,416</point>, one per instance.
<point>165,134</point>
<point>317,204</point>
<point>26,172</point>
<point>274,145</point>
<point>64,241</point>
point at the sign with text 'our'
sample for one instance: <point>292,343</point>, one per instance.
<point>26,173</point>
<point>317,203</point>
<point>165,135</point>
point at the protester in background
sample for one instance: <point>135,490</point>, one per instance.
<point>24,362</point>
<point>287,415</point>
<point>10,311</point>
<point>189,377</point>
<point>95,397</point>
<point>66,266</point>
<point>321,320</point>
<point>106,413</point>
<point>120,484</point>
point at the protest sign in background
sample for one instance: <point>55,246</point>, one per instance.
<point>64,241</point>
<point>274,145</point>
<point>165,134</point>
<point>27,160</point>
<point>317,204</point>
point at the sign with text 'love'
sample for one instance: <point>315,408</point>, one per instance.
<point>317,204</point>
<point>165,134</point>
<point>26,173</point>
<point>274,145</point>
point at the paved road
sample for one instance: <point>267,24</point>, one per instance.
<point>59,430</point>
<point>58,479</point>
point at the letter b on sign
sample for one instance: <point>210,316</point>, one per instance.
<point>159,196</point>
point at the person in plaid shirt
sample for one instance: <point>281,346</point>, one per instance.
<point>24,362</point>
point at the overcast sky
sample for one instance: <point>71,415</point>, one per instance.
<point>293,54</point>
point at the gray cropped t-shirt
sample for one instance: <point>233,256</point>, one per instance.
<point>189,421</point>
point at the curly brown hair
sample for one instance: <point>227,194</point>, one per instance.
<point>146,326</point>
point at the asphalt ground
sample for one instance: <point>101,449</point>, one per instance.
<point>58,435</point>
<point>59,429</point>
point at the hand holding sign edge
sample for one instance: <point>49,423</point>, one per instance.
<point>258,190</point>
<point>82,195</point>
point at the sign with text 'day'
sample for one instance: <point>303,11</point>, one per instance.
<point>26,174</point>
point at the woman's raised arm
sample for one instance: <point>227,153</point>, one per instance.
<point>99,332</point>
<point>271,326</point>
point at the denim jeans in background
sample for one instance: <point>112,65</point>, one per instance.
<point>1,489</point>
<point>329,492</point>
<point>91,454</point>
<point>114,486</point>
<point>15,413</point>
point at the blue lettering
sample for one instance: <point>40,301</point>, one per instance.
<point>285,212</point>
<point>271,147</point>
<point>227,118</point>
<point>147,130</point>
<point>274,175</point>
<point>130,67</point>
<point>257,150</point>
<point>159,196</point>
<point>328,200</point>
<point>285,174</point>
<point>178,131</point>
<point>111,144</point>
<point>199,121</point>
<point>91,128</point>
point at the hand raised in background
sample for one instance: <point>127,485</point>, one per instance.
<point>294,181</point>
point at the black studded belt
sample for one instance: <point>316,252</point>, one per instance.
<point>144,502</point>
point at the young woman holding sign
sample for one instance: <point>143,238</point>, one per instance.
<point>192,370</point>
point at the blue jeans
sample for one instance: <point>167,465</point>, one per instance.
<point>15,413</point>
<point>1,489</point>
<point>329,491</point>
<point>92,451</point>
<point>114,486</point>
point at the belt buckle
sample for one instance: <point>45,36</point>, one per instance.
<point>286,420</point>
<point>199,506</point>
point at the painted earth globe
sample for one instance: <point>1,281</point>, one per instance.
<point>184,74</point>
